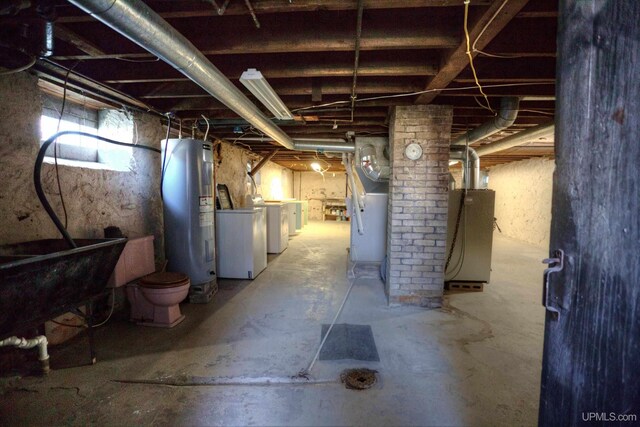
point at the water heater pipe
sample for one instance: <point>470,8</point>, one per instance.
<point>40,341</point>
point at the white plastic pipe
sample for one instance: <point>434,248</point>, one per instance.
<point>355,203</point>
<point>40,341</point>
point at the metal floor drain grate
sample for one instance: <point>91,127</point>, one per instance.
<point>358,379</point>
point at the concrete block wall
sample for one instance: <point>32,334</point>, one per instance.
<point>418,205</point>
<point>95,198</point>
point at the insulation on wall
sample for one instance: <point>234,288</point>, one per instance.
<point>523,199</point>
<point>316,188</point>
<point>94,198</point>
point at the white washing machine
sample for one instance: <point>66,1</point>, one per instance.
<point>277,227</point>
<point>242,242</point>
<point>292,210</point>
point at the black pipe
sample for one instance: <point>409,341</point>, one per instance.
<point>37,175</point>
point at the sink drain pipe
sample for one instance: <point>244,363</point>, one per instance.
<point>40,341</point>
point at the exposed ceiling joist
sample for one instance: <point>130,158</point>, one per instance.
<point>338,40</point>
<point>280,6</point>
<point>457,60</point>
<point>64,33</point>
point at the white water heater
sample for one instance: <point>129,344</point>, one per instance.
<point>189,209</point>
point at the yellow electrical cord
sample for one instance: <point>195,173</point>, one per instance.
<point>473,69</point>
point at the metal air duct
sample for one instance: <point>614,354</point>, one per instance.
<point>470,165</point>
<point>519,138</point>
<point>328,146</point>
<point>140,24</point>
<point>370,165</point>
<point>505,118</point>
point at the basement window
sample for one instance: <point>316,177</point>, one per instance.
<point>81,151</point>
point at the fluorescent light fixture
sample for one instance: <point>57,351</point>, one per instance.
<point>253,80</point>
<point>316,166</point>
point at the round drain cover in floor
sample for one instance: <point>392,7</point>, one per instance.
<point>358,379</point>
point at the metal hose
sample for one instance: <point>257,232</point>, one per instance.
<point>37,170</point>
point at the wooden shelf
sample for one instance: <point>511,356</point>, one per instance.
<point>334,210</point>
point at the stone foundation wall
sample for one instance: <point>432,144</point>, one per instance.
<point>523,199</point>
<point>94,198</point>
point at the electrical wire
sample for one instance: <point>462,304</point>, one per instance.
<point>495,14</point>
<point>113,303</point>
<point>84,325</point>
<point>546,113</point>
<point>55,147</point>
<point>473,69</point>
<point>206,134</point>
<point>19,69</point>
<point>495,55</point>
<point>164,157</point>
<point>356,61</point>
<point>400,95</point>
<point>37,175</point>
<point>139,61</point>
<point>491,55</point>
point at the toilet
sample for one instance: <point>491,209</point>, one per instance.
<point>155,299</point>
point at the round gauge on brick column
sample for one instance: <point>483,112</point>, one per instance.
<point>413,151</point>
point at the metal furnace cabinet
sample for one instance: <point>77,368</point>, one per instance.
<point>471,258</point>
<point>372,245</point>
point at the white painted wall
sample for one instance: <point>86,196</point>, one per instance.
<point>523,199</point>
<point>315,188</point>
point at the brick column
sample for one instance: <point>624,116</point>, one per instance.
<point>418,205</point>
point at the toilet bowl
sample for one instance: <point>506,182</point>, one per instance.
<point>155,299</point>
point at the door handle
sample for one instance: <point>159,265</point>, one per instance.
<point>555,264</point>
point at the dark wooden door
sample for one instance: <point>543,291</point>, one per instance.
<point>591,363</point>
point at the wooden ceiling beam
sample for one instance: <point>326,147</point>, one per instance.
<point>65,34</point>
<point>338,40</point>
<point>277,6</point>
<point>457,60</point>
<point>313,70</point>
<point>190,90</point>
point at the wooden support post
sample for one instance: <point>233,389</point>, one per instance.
<point>590,367</point>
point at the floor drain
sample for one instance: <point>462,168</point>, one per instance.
<point>358,379</point>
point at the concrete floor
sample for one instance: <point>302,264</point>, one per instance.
<point>474,362</point>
